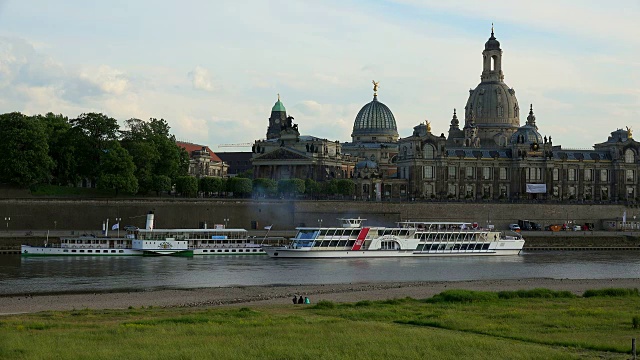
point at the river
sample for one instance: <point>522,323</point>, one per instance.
<point>90,274</point>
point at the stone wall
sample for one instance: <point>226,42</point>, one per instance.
<point>43,214</point>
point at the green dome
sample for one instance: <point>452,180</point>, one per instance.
<point>278,106</point>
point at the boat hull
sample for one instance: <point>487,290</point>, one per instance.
<point>324,254</point>
<point>29,251</point>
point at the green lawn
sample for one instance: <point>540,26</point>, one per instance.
<point>493,328</point>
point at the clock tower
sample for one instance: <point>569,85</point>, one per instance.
<point>277,121</point>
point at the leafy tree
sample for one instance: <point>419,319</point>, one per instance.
<point>24,151</point>
<point>311,187</point>
<point>243,186</point>
<point>246,174</point>
<point>187,186</point>
<point>346,187</point>
<point>265,187</point>
<point>290,187</point>
<point>117,170</point>
<point>62,149</point>
<point>94,132</point>
<point>329,187</point>
<point>161,183</point>
<point>230,184</point>
<point>210,185</point>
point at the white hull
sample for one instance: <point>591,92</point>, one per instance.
<point>27,250</point>
<point>324,254</point>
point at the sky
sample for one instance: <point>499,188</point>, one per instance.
<point>213,69</point>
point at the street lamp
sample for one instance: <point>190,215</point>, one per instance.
<point>226,220</point>
<point>7,219</point>
<point>319,222</point>
<point>118,222</point>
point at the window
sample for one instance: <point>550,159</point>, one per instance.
<point>630,175</point>
<point>469,191</point>
<point>629,156</point>
<point>556,174</point>
<point>452,172</point>
<point>452,189</point>
<point>429,152</point>
<point>486,173</point>
<point>572,174</point>
<point>604,175</point>
<point>428,172</point>
<point>470,172</point>
<point>534,173</point>
<point>588,174</point>
<point>428,190</point>
<point>486,191</point>
<point>604,192</point>
<point>503,173</point>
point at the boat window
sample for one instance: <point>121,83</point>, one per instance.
<point>121,251</point>
<point>420,247</point>
<point>350,243</point>
<point>307,234</point>
<point>485,246</point>
<point>65,250</point>
<point>90,251</point>
<point>333,243</point>
<point>342,243</point>
<point>463,247</point>
<point>441,246</point>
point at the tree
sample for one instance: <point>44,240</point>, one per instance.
<point>346,187</point>
<point>187,186</point>
<point>24,152</point>
<point>161,183</point>
<point>94,132</point>
<point>210,185</point>
<point>289,187</point>
<point>265,187</point>
<point>117,170</point>
<point>329,187</point>
<point>311,187</point>
<point>243,187</point>
<point>62,149</point>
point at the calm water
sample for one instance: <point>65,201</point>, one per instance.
<point>78,274</point>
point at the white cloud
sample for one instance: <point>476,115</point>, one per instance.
<point>201,79</point>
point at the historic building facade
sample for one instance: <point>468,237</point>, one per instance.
<point>285,154</point>
<point>203,162</point>
<point>493,157</point>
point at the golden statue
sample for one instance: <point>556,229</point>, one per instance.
<point>375,87</point>
<point>629,133</point>
<point>428,126</point>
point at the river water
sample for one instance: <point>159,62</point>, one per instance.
<point>89,274</point>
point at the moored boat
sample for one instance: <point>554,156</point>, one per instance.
<point>149,241</point>
<point>407,239</point>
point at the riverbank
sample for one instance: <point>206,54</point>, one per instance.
<point>271,295</point>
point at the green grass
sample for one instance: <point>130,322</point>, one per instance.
<point>537,324</point>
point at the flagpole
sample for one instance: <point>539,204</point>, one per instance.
<point>265,235</point>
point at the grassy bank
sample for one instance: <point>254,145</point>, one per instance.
<point>537,324</point>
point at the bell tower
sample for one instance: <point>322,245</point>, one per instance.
<point>492,60</point>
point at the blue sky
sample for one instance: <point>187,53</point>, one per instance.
<point>214,69</point>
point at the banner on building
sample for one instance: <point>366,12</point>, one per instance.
<point>537,188</point>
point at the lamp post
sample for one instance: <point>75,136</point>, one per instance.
<point>319,222</point>
<point>226,221</point>
<point>118,222</point>
<point>7,219</point>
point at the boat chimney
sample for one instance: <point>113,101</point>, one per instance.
<point>149,225</point>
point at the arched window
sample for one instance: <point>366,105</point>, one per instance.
<point>429,151</point>
<point>629,156</point>
<point>494,59</point>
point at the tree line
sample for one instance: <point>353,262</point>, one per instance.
<point>53,149</point>
<point>140,158</point>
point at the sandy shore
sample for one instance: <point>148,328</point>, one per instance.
<point>270,295</point>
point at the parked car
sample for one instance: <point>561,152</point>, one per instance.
<point>554,227</point>
<point>576,228</point>
<point>131,228</point>
<point>514,227</point>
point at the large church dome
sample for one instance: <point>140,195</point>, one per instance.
<point>492,106</point>
<point>375,122</point>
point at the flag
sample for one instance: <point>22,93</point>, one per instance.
<point>268,227</point>
<point>115,226</point>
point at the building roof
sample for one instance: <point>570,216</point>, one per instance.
<point>278,106</point>
<point>375,118</point>
<point>190,148</point>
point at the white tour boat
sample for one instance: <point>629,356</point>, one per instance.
<point>409,238</point>
<point>150,241</point>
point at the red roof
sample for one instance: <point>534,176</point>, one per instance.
<point>195,147</point>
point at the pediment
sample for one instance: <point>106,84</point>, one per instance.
<point>281,154</point>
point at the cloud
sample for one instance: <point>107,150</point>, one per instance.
<point>201,79</point>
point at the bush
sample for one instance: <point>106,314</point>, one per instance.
<point>611,292</point>
<point>635,322</point>
<point>535,293</point>
<point>364,303</point>
<point>324,304</point>
<point>463,296</point>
